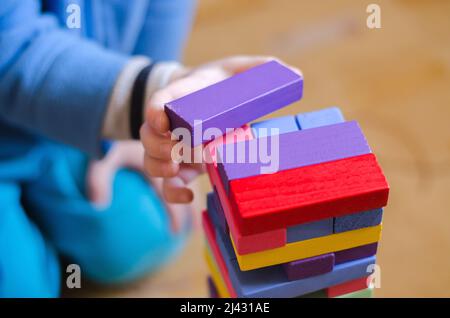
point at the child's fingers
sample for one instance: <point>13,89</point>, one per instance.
<point>237,64</point>
<point>175,191</point>
<point>157,119</point>
<point>155,115</point>
<point>156,145</point>
<point>159,168</point>
<point>240,63</point>
<point>197,80</point>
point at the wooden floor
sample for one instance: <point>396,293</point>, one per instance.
<point>394,81</point>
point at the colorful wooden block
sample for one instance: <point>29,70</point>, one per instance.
<point>365,293</point>
<point>244,243</point>
<point>329,116</point>
<point>309,230</point>
<point>215,211</point>
<point>212,289</point>
<point>268,202</point>
<point>337,258</point>
<point>267,127</point>
<point>355,253</point>
<point>319,118</point>
<point>357,220</point>
<point>235,101</point>
<point>308,248</point>
<point>309,267</point>
<point>295,149</point>
<point>215,251</point>
<point>294,270</point>
<point>216,276</point>
<point>272,281</point>
<point>254,279</point>
<point>347,287</point>
<point>294,234</point>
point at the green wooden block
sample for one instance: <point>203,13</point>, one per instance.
<point>365,293</point>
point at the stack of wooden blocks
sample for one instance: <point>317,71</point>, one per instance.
<point>310,229</point>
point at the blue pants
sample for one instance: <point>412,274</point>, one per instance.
<point>44,213</point>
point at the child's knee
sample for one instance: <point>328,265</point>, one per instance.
<point>133,236</point>
<point>40,277</point>
<point>124,251</point>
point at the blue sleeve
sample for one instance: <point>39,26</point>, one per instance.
<point>53,83</point>
<point>165,30</point>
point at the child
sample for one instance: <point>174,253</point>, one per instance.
<point>64,91</point>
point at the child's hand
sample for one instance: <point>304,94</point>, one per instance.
<point>100,173</point>
<point>125,154</point>
<point>155,134</point>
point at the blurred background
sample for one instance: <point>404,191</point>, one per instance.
<point>394,81</point>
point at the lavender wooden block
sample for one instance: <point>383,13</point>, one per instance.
<point>235,101</point>
<point>319,118</point>
<point>355,253</point>
<point>357,220</point>
<point>290,150</point>
<point>268,127</point>
<point>309,267</point>
<point>309,230</point>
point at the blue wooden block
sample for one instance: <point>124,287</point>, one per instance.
<point>215,211</point>
<point>357,220</point>
<point>309,230</point>
<point>324,117</point>
<point>211,208</point>
<point>271,282</point>
<point>283,124</point>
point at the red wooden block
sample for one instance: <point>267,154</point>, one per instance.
<point>268,202</point>
<point>245,244</point>
<point>211,238</point>
<point>347,287</point>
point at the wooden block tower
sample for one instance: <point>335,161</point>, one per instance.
<point>311,227</point>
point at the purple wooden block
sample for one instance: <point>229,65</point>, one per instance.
<point>357,220</point>
<point>309,230</point>
<point>213,293</point>
<point>293,150</point>
<point>352,254</point>
<point>235,101</point>
<point>309,267</point>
